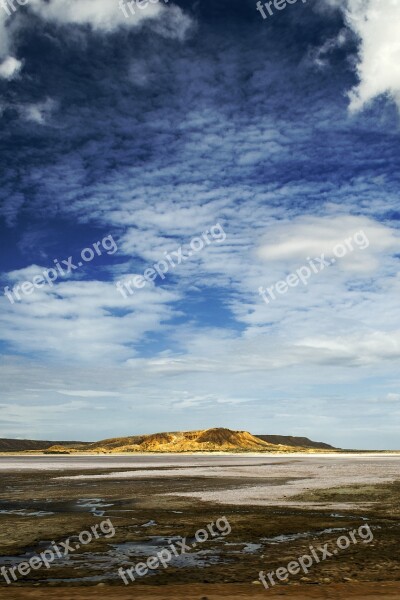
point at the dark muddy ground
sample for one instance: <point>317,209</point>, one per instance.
<point>36,509</point>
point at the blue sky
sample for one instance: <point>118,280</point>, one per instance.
<point>152,129</point>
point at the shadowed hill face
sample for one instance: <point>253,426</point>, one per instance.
<point>300,442</point>
<point>8,445</point>
<point>117,442</point>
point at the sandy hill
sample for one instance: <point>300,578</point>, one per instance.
<point>218,439</point>
<point>208,440</point>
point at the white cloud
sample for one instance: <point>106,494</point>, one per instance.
<point>251,353</point>
<point>87,321</point>
<point>310,236</point>
<point>202,402</point>
<point>40,412</point>
<point>377,23</point>
<point>38,112</point>
<point>356,349</point>
<point>104,15</point>
<point>377,26</point>
<point>10,67</point>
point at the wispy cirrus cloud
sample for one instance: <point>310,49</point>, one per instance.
<point>89,393</point>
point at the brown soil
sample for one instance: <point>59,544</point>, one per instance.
<point>353,591</point>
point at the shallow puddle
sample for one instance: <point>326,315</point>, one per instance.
<point>95,505</point>
<point>291,537</point>
<point>125,555</point>
<point>43,508</point>
<point>25,512</point>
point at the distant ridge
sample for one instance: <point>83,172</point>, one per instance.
<point>10,445</point>
<point>298,442</point>
<point>219,439</point>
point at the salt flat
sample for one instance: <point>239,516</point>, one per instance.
<point>295,474</point>
<point>278,478</point>
<point>38,462</point>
